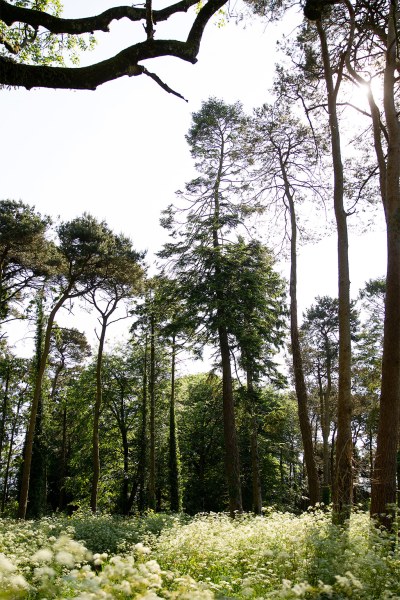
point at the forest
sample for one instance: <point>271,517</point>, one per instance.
<point>227,446</point>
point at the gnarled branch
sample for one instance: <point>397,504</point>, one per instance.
<point>125,62</point>
<point>36,18</point>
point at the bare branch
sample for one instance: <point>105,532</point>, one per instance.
<point>162,84</point>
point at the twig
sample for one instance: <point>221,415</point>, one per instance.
<point>163,85</point>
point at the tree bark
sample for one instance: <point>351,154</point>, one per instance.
<point>63,461</point>
<point>255,460</point>
<point>152,474</point>
<point>383,496</point>
<point>96,417</point>
<point>4,413</point>
<point>174,462</point>
<point>298,371</point>
<point>343,481</point>
<point>9,455</point>
<point>23,500</point>
<point>232,466</point>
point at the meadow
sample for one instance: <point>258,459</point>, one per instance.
<point>279,555</point>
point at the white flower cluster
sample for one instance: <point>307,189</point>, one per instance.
<point>279,556</point>
<point>62,569</point>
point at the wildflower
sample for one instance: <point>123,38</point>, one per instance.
<point>18,581</point>
<point>5,564</point>
<point>44,572</point>
<point>142,549</point>
<point>65,558</point>
<point>43,555</point>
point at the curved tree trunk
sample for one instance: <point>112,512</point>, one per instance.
<point>23,499</point>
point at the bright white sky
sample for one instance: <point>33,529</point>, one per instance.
<point>120,153</point>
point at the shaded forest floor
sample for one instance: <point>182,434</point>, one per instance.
<point>279,555</point>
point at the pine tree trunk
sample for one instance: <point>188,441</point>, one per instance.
<point>383,496</point>
<point>298,371</point>
<point>232,467</point>
<point>63,461</point>
<point>152,474</point>
<point>255,460</point>
<point>23,500</point>
<point>4,413</point>
<point>139,482</point>
<point>9,455</point>
<point>343,481</point>
<point>96,418</point>
<point>125,449</point>
<point>174,462</point>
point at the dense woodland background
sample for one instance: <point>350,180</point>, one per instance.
<point>121,430</point>
<point>274,473</point>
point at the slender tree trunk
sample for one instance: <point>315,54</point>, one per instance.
<point>96,417</point>
<point>232,463</point>
<point>4,413</point>
<point>383,494</point>
<point>38,485</point>
<point>125,449</point>
<point>174,461</point>
<point>343,482</point>
<point>152,474</point>
<point>63,461</point>
<point>231,446</point>
<point>9,455</point>
<point>326,428</point>
<point>298,371</point>
<point>140,481</point>
<point>23,500</point>
<point>255,460</point>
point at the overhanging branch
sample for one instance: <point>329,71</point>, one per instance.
<point>10,14</point>
<point>124,63</point>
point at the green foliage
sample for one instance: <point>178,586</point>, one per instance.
<point>274,557</point>
<point>23,43</point>
<point>23,251</point>
<point>201,443</point>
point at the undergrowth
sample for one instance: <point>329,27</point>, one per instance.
<point>275,556</point>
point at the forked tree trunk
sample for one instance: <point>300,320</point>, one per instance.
<point>23,499</point>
